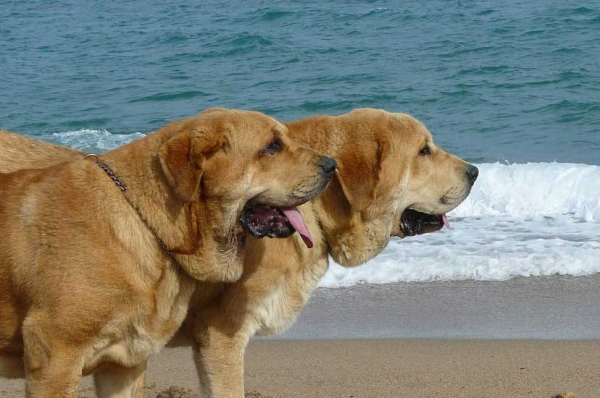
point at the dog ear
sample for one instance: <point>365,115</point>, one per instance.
<point>358,172</point>
<point>182,160</point>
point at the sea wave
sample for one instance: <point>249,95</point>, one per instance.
<point>488,248</point>
<point>90,140</point>
<point>531,219</point>
<point>535,189</point>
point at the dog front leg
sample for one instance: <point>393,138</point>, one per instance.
<point>52,367</point>
<point>120,382</point>
<point>219,359</point>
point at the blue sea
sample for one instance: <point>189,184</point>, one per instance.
<point>509,85</point>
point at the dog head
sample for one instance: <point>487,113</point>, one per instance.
<point>392,180</point>
<point>237,171</point>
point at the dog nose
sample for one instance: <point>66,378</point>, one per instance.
<point>327,164</point>
<point>472,173</point>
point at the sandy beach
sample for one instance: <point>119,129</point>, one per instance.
<point>424,368</point>
<point>392,369</point>
<point>526,337</point>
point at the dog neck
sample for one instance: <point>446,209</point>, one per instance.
<point>340,222</point>
<point>178,224</point>
<point>123,189</point>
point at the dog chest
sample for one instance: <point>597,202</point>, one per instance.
<point>278,311</point>
<point>146,327</point>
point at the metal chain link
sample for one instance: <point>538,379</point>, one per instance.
<point>112,175</point>
<point>123,189</point>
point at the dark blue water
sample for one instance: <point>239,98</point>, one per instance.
<point>493,80</point>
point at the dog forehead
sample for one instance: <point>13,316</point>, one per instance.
<point>236,123</point>
<point>258,123</point>
<point>407,128</point>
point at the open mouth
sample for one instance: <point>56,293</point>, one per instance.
<point>416,223</point>
<point>261,220</point>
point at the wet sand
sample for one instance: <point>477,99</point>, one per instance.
<point>555,307</point>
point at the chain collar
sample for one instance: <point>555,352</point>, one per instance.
<point>123,189</point>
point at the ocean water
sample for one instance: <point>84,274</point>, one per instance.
<point>511,86</point>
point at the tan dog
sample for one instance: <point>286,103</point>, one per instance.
<point>96,273</point>
<point>391,181</point>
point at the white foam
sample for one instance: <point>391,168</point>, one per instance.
<point>90,140</point>
<point>525,190</point>
<point>520,220</point>
<point>484,248</point>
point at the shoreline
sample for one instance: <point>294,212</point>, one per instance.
<point>542,307</point>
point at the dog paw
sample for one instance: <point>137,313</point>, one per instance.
<point>567,395</point>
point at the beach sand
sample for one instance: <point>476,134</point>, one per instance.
<point>391,368</point>
<point>526,337</point>
<point>424,368</point>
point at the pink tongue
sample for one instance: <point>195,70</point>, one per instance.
<point>445,220</point>
<point>299,225</point>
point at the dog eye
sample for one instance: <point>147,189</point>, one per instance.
<point>425,151</point>
<point>275,146</point>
